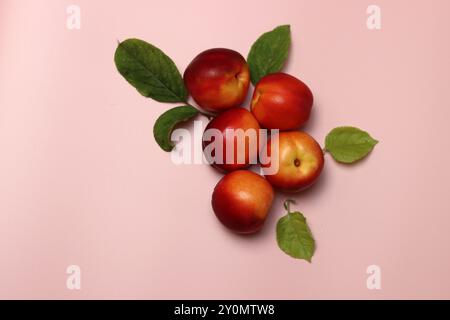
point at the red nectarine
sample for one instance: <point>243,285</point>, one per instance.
<point>281,101</point>
<point>239,131</point>
<point>242,200</point>
<point>218,79</point>
<point>300,161</point>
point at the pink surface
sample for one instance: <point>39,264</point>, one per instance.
<point>83,182</point>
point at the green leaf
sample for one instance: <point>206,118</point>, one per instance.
<point>294,236</point>
<point>150,71</point>
<point>164,125</point>
<point>349,144</point>
<point>269,53</point>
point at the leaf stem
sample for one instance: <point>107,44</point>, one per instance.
<point>287,205</point>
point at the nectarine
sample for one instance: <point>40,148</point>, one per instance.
<point>218,79</point>
<point>281,101</point>
<point>300,161</point>
<point>241,201</point>
<point>238,131</point>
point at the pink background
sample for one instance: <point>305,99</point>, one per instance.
<point>83,182</point>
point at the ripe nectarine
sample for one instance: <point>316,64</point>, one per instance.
<point>281,101</point>
<point>239,131</point>
<point>218,79</point>
<point>300,161</point>
<point>242,200</point>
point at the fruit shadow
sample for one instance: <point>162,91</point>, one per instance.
<point>309,193</point>
<point>312,121</point>
<point>313,192</point>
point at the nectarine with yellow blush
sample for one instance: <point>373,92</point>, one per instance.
<point>218,79</point>
<point>242,200</point>
<point>300,160</point>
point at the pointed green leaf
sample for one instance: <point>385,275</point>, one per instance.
<point>150,71</point>
<point>164,125</point>
<point>294,236</point>
<point>269,53</point>
<point>349,144</point>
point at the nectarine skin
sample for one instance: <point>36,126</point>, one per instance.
<point>242,200</point>
<point>281,101</point>
<point>236,118</point>
<point>301,161</point>
<point>218,79</point>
